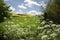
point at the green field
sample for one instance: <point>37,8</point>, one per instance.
<point>21,28</point>
<point>29,28</point>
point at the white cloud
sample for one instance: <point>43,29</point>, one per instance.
<point>34,12</point>
<point>28,5</point>
<point>22,6</point>
<point>42,4</point>
<point>6,0</point>
<point>20,10</point>
<point>31,2</point>
<point>12,8</point>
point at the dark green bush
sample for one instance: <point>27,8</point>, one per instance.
<point>52,11</point>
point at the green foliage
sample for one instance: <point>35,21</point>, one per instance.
<point>19,28</point>
<point>52,11</point>
<point>4,11</point>
<point>50,31</point>
<point>32,28</point>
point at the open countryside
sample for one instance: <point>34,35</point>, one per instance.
<point>29,19</point>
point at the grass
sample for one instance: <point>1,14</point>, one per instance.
<point>20,28</point>
<point>29,28</point>
<point>24,21</point>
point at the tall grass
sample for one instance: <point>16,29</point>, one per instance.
<point>29,28</point>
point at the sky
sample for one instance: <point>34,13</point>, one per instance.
<point>26,6</point>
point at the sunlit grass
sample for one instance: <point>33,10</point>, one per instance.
<point>18,27</point>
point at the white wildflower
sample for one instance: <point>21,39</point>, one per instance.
<point>9,22</point>
<point>44,36</point>
<point>58,26</point>
<point>5,17</point>
<point>51,21</point>
<point>17,25</point>
<point>58,30</point>
<point>22,39</point>
<point>47,26</point>
<point>5,36</point>
<point>53,35</point>
<point>43,22</point>
<point>53,25</point>
<point>40,27</point>
<point>49,31</point>
<point>6,25</point>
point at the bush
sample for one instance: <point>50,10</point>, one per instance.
<point>52,11</point>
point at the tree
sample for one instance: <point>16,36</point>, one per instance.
<point>4,11</point>
<point>52,11</point>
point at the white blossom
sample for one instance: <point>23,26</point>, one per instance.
<point>5,17</point>
<point>53,25</point>
<point>44,36</point>
<point>22,39</point>
<point>40,27</point>
<point>53,34</point>
<point>47,26</point>
<point>43,22</point>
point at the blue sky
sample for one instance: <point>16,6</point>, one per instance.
<point>26,6</point>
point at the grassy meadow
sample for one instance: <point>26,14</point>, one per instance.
<point>29,28</point>
<point>20,28</point>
